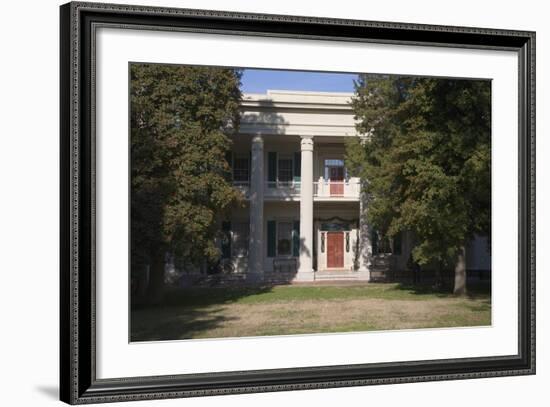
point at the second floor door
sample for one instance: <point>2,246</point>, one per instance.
<point>336,179</point>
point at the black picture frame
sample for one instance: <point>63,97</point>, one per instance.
<point>78,382</point>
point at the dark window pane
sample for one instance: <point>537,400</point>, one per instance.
<point>240,169</point>
<point>285,170</point>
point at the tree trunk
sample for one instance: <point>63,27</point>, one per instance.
<point>155,292</point>
<point>460,273</point>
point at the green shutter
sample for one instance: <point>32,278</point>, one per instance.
<point>374,242</point>
<point>271,238</point>
<point>296,238</point>
<point>297,166</point>
<point>226,240</point>
<point>397,244</point>
<point>272,167</point>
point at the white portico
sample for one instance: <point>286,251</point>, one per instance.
<point>303,215</point>
<point>302,209</point>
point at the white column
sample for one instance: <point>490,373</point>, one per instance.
<point>305,271</point>
<point>365,255</point>
<point>255,247</point>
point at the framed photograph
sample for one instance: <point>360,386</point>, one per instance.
<point>256,203</point>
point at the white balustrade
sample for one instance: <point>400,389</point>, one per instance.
<point>337,189</point>
<point>282,189</point>
<point>325,189</point>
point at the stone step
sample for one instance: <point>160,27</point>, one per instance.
<point>336,275</point>
<point>331,275</point>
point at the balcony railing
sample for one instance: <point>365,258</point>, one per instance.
<point>294,185</point>
<point>337,189</point>
<point>282,189</point>
<point>324,189</point>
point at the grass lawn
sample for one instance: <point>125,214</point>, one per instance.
<point>299,309</point>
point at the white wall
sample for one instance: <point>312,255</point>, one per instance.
<point>29,216</point>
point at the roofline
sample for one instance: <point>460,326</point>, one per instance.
<point>297,92</point>
<point>288,99</point>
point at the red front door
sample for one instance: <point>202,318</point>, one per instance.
<point>336,175</point>
<point>335,249</point>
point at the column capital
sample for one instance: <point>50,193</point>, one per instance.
<point>306,143</point>
<point>257,143</point>
<point>258,139</point>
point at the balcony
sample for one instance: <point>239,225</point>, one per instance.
<point>272,190</point>
<point>323,190</point>
<point>337,190</point>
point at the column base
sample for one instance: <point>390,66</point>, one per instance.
<point>363,274</point>
<point>254,278</point>
<point>305,275</point>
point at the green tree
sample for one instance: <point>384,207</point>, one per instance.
<point>181,117</point>
<point>425,156</point>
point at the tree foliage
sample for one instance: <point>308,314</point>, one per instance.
<point>181,117</point>
<point>426,157</point>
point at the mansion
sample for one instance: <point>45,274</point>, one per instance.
<point>303,215</point>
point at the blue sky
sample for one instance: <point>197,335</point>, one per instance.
<point>260,80</point>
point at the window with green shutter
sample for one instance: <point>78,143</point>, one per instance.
<point>385,245</point>
<point>285,170</point>
<point>241,169</point>
<point>284,239</point>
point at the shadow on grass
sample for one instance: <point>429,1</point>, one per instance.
<point>206,296</point>
<point>174,323</point>
<point>185,313</point>
<point>474,291</point>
